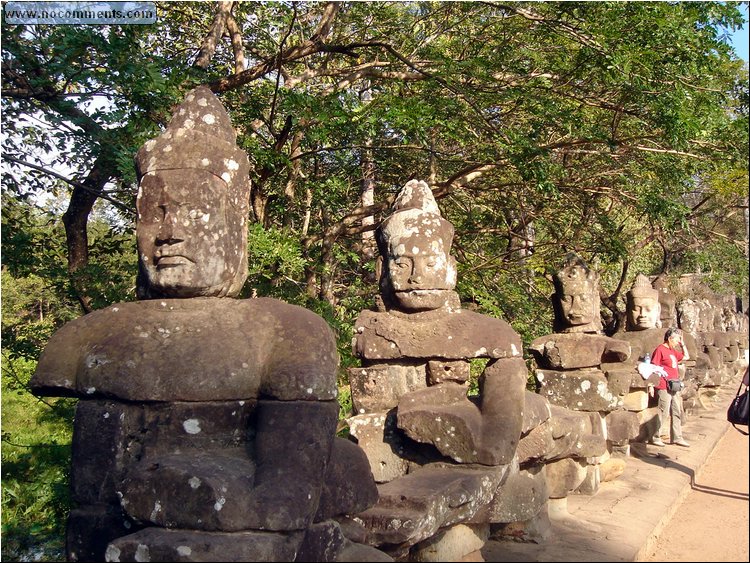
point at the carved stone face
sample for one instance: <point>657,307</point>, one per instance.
<point>578,308</point>
<point>643,312</point>
<point>186,245</point>
<point>420,272</point>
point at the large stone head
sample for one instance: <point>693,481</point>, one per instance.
<point>193,201</point>
<point>576,298</point>
<point>417,271</point>
<point>667,302</point>
<point>643,309</point>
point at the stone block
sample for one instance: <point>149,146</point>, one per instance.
<point>536,410</point>
<point>225,490</point>
<point>619,378</point>
<point>441,371</point>
<point>622,426</point>
<point>452,544</point>
<point>590,484</point>
<point>414,507</point>
<point>90,528</point>
<point>382,442</point>
<point>612,469</point>
<point>520,498</point>
<point>160,544</point>
<point>636,400</point>
<point>582,390</point>
<point>564,476</point>
<point>349,485</point>
<point>648,424</point>
<point>378,388</point>
<point>566,351</point>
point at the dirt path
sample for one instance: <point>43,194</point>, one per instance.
<point>712,522</point>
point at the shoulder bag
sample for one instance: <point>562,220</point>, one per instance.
<point>739,410</point>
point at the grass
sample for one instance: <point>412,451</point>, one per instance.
<point>36,438</point>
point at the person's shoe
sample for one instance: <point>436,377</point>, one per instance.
<point>657,442</point>
<point>681,442</point>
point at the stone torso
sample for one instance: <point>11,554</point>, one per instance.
<point>191,350</point>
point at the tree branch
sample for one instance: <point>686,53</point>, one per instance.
<point>208,48</point>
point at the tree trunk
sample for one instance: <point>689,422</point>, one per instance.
<point>75,220</point>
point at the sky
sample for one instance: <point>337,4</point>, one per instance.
<point>739,38</point>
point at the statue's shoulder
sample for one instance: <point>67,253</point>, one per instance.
<point>61,360</point>
<point>449,334</point>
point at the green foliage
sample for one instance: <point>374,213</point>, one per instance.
<point>618,130</point>
<point>36,440</point>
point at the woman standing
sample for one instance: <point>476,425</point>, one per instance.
<point>668,355</point>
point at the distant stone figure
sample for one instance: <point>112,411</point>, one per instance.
<point>423,320</point>
<point>429,443</point>
<point>576,298</point>
<point>204,423</point>
<point>418,272</point>
<point>643,308</point>
<point>667,303</point>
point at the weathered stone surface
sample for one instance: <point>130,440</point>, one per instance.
<point>590,483</point>
<point>106,439</point>
<point>521,497</point>
<point>577,350</point>
<point>536,444</point>
<point>159,544</point>
<point>620,377</point>
<point>414,507</point>
<point>458,334</point>
<point>378,436</point>
<point>356,553</point>
<point>576,297</point>
<point>536,410</point>
<point>443,416</point>
<point>228,491</point>
<point>441,372</point>
<point>109,436</point>
<point>325,541</point>
<point>638,383</point>
<point>379,387</point>
<point>452,544</point>
<point>538,529</point>
<point>574,435</point>
<point>642,341</point>
<point>648,422</point>
<point>192,204</point>
<point>612,469</point>
<point>622,426</point>
<point>486,432</point>
<point>635,400</point>
<point>643,310</point>
<point>349,486</point>
<point>563,476</point>
<point>584,389</point>
<point>147,351</point>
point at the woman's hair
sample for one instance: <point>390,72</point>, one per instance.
<point>671,332</point>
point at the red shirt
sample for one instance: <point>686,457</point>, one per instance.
<point>667,358</point>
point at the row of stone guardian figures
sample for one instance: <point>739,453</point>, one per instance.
<point>205,428</point>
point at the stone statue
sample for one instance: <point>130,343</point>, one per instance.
<point>417,272</point>
<point>425,438</point>
<point>204,423</point>
<point>581,370</point>
<point>667,303</point>
<point>576,297</point>
<point>643,308</point>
